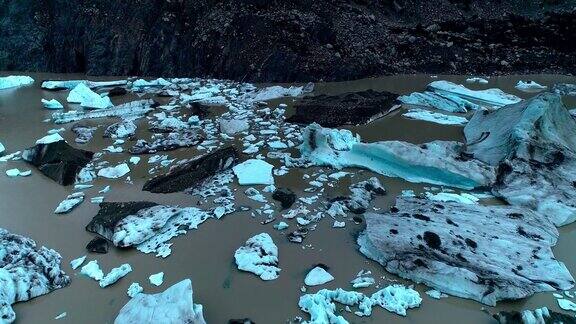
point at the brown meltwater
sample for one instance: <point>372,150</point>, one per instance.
<point>206,255</point>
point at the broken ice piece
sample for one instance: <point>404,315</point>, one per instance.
<point>281,226</point>
<point>77,262</point>
<point>253,172</point>
<point>259,255</point>
<point>338,224</point>
<point>13,81</point>
<point>69,203</point>
<point>92,270</point>
<point>433,293</point>
<point>61,316</point>
<point>97,200</point>
<point>114,172</point>
<point>17,173</point>
<point>362,282</point>
<point>318,276</point>
<point>52,104</point>
<point>529,86</point>
<point>134,289</point>
<point>134,160</point>
<point>157,279</point>
<point>115,275</point>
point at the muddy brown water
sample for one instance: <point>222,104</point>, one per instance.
<point>205,255</point>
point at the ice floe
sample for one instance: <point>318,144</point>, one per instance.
<point>74,264</point>
<point>92,270</point>
<point>52,104</point>
<point>174,305</point>
<point>71,84</point>
<point>115,274</point>
<point>530,86</point>
<point>434,117</point>
<point>260,256</point>
<point>130,110</point>
<point>26,271</point>
<point>134,289</point>
<point>17,173</point>
<point>13,81</point>
<point>489,97</point>
<point>157,279</point>
<point>485,253</point>
<point>114,172</point>
<point>87,98</point>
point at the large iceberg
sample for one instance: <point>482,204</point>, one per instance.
<point>533,146</point>
<point>437,162</point>
<point>174,305</point>
<point>485,253</point>
<point>26,271</point>
<point>87,98</point>
<point>71,84</point>
<point>13,81</point>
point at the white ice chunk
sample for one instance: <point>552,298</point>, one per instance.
<point>254,171</point>
<point>434,117</point>
<point>114,172</point>
<point>17,173</point>
<point>530,86</point>
<point>13,81</point>
<point>50,139</point>
<point>317,276</point>
<point>115,275</point>
<point>134,289</point>
<point>52,104</point>
<point>260,256</point>
<point>157,279</point>
<point>69,203</point>
<point>87,98</point>
<point>77,262</point>
<point>92,270</point>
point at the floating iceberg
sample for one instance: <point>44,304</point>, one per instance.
<point>275,92</point>
<point>130,110</point>
<point>71,84</point>
<point>260,256</point>
<point>114,172</point>
<point>533,145</point>
<point>317,276</point>
<point>490,97</point>
<point>157,279</point>
<point>174,305</point>
<point>477,80</point>
<point>485,253</point>
<point>26,271</point>
<point>530,86</point>
<point>17,173</point>
<point>92,270</point>
<point>69,203</point>
<point>13,81</point>
<point>52,104</point>
<point>434,117</point>
<point>437,162</point>
<point>253,172</point>
<point>134,289</point>
<point>115,274</point>
<point>145,225</point>
<point>446,102</point>
<point>87,98</point>
<point>321,307</point>
<point>538,316</point>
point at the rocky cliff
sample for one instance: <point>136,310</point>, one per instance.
<point>287,40</point>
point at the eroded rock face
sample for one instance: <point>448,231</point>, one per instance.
<point>58,160</point>
<point>352,108</point>
<point>533,145</point>
<point>485,253</point>
<point>194,172</point>
<point>26,271</point>
<point>174,305</point>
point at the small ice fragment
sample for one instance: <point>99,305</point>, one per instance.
<point>477,80</point>
<point>281,226</point>
<point>115,275</point>
<point>92,270</point>
<point>17,173</point>
<point>566,304</point>
<point>77,262</point>
<point>69,203</point>
<point>530,86</point>
<point>436,294</point>
<point>104,190</point>
<point>157,279</point>
<point>134,289</point>
<point>135,160</point>
<point>61,316</point>
<point>318,276</point>
<point>338,224</point>
<point>52,104</point>
<point>97,200</point>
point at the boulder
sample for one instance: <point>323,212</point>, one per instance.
<point>97,245</point>
<point>58,160</point>
<point>351,108</point>
<point>194,172</point>
<point>484,253</point>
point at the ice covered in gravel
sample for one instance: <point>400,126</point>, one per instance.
<point>259,255</point>
<point>317,276</point>
<point>253,172</point>
<point>13,81</point>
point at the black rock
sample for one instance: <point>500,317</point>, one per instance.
<point>352,108</point>
<point>98,245</point>
<point>192,173</point>
<point>285,196</point>
<point>117,91</point>
<point>58,160</point>
<point>111,213</point>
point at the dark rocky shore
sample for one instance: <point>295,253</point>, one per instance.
<point>288,40</point>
